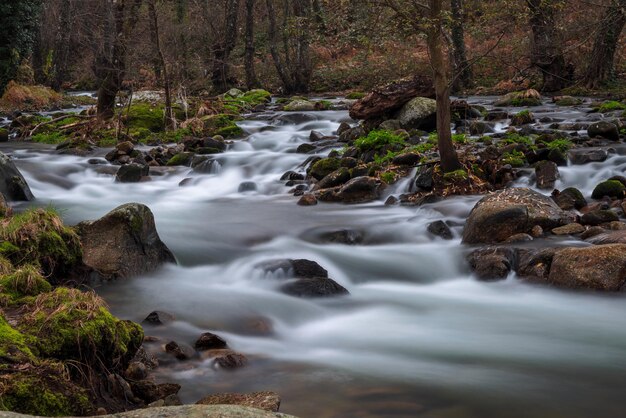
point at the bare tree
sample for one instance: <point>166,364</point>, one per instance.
<point>462,68</point>
<point>251,78</point>
<point>223,47</point>
<point>170,120</point>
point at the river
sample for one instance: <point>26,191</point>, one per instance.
<point>417,337</point>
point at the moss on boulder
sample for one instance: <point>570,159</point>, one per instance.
<point>611,188</point>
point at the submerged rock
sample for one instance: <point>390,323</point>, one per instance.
<point>502,214</point>
<point>12,184</point>
<point>123,243</point>
<point>314,287</point>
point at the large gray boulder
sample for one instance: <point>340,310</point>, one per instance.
<point>123,243</point>
<point>502,214</point>
<point>600,267</point>
<point>418,113</point>
<point>12,183</point>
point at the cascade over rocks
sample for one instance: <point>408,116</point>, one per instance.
<point>123,243</point>
<point>502,214</point>
<point>12,183</point>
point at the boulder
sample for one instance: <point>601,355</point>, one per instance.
<point>227,359</point>
<point>440,229</point>
<point>308,199</point>
<point>502,214</point>
<point>158,318</point>
<point>528,97</point>
<point>408,158</point>
<point>492,263</point>
<point>181,351</point>
<point>570,229</point>
<point>418,113</point>
<point>209,341</point>
<point>384,100</point>
<point>522,118</point>
<point>334,179</point>
<point>603,129</point>
<point>131,173</point>
<point>299,268</point>
<point>610,188</point>
<point>247,186</point>
<point>12,183</point>
<point>123,243</point>
<point>585,156</point>
<point>149,391</point>
<point>598,217</point>
<point>359,190</point>
<point>570,198</point>
<point>600,267</point>
<point>546,173</point>
<point>267,401</point>
<point>314,287</point>
<point>607,237</point>
<point>4,135</point>
<point>300,105</point>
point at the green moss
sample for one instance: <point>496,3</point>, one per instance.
<point>386,159</point>
<point>525,101</point>
<point>42,239</point>
<point>460,138</point>
<point>423,147</point>
<point>221,124</point>
<point>611,188</point>
<point>454,176</point>
<point>12,342</point>
<point>377,139</point>
<point>517,140</point>
<point>53,138</point>
<point>182,158</point>
<point>145,116</point>
<point>388,177</point>
<point>323,105</point>
<point>514,158</point>
<point>229,131</point>
<point>611,106</point>
<point>72,325</point>
<point>355,95</point>
<point>257,96</point>
<point>324,167</point>
<point>560,144</point>
<point>26,281</point>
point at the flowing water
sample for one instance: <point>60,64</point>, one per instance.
<point>418,336</point>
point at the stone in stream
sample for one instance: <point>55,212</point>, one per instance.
<point>299,268</point>
<point>585,156</point>
<point>334,179</point>
<point>179,350</point>
<point>610,188</point>
<point>123,243</point>
<point>358,190</point>
<point>314,287</point>
<point>546,173</point>
<point>307,199</point>
<point>158,318</point>
<point>209,341</point>
<point>150,392</point>
<point>570,229</point>
<point>598,217</point>
<point>131,173</point>
<point>492,263</point>
<point>570,198</point>
<point>12,184</point>
<point>502,214</point>
<point>603,129</point>
<point>440,229</point>
<point>247,186</point>
<point>267,401</point>
<point>418,113</point>
<point>600,267</point>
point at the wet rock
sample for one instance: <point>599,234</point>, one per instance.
<point>305,148</point>
<point>603,129</point>
<point>535,264</point>
<point>585,156</point>
<point>546,173</point>
<point>131,173</point>
<point>267,401</point>
<point>4,135</point>
<point>334,179</point>
<point>228,359</point>
<point>247,186</point>
<point>492,263</point>
<point>409,158</point>
<point>343,127</point>
<point>209,341</point>
<point>126,147</point>
<point>359,190</point>
<point>598,217</point>
<point>391,125</point>
<point>12,184</point>
<point>440,229</point>
<point>558,157</point>
<point>508,212</point>
<point>123,243</point>
<point>344,236</point>
<point>517,238</point>
<point>522,118</point>
<point>324,167</point>
<point>352,134</point>
<point>181,351</point>
<point>300,105</point>
<point>478,127</point>
<point>418,113</point>
<point>424,178</point>
<point>292,175</point>
<point>600,267</point>
<point>136,371</point>
<point>314,287</point>
<point>570,229</point>
<point>308,199</point>
<point>300,268</point>
<point>610,188</point>
<point>216,143</point>
<point>536,232</point>
<point>158,318</point>
<point>97,161</point>
<point>570,198</point>
<point>528,97</point>
<point>316,136</point>
<point>497,115</point>
<point>150,392</point>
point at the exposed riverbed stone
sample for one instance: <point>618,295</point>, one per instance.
<point>267,401</point>
<point>603,129</point>
<point>585,156</point>
<point>502,214</point>
<point>123,243</point>
<point>12,184</point>
<point>570,198</point>
<point>546,173</point>
<point>418,113</point>
<point>598,217</point>
<point>314,287</point>
<point>601,267</point>
<point>570,229</point>
<point>209,341</point>
<point>492,263</point>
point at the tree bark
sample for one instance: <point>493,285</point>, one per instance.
<point>110,63</point>
<point>601,63</point>
<point>252,81</point>
<point>463,77</point>
<point>273,45</point>
<point>222,49</point>
<point>170,120</point>
<point>434,38</point>
<point>547,49</point>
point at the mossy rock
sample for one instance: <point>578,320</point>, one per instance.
<point>4,135</point>
<point>221,124</point>
<point>355,95</point>
<point>324,167</point>
<point>611,188</point>
<point>182,158</point>
<point>44,390</point>
<point>23,282</point>
<point>68,324</point>
<point>39,237</point>
<point>300,105</point>
<point>12,344</point>
<point>145,116</point>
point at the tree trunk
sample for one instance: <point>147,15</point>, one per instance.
<point>601,63</point>
<point>170,121</point>
<point>318,12</point>
<point>251,80</point>
<point>274,51</point>
<point>222,49</point>
<point>547,50</point>
<point>463,77</point>
<point>302,69</point>
<point>110,63</point>
<point>434,39</point>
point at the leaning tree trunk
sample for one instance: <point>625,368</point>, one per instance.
<point>547,49</point>
<point>463,77</point>
<point>110,63</point>
<point>62,45</point>
<point>434,38</point>
<point>273,41</point>
<point>222,49</point>
<point>170,120</point>
<point>251,78</point>
<point>302,67</point>
<point>601,63</point>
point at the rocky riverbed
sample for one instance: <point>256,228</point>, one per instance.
<point>440,307</point>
